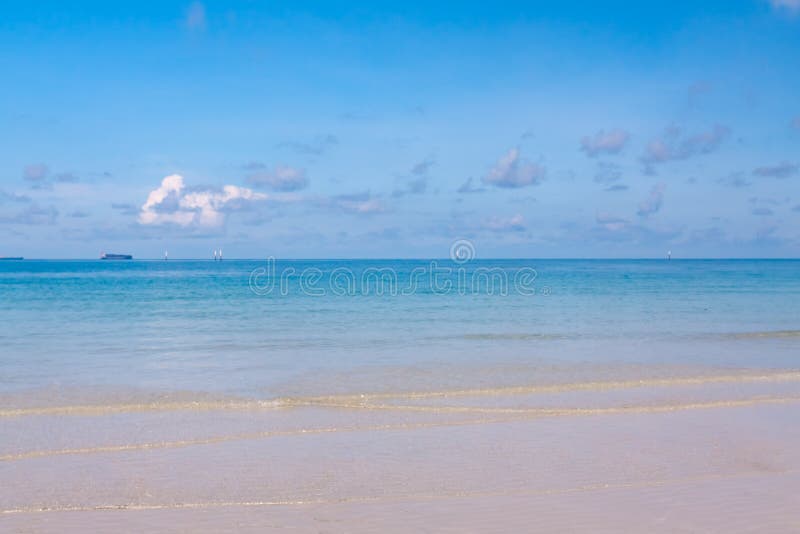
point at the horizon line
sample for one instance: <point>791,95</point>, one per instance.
<point>545,258</point>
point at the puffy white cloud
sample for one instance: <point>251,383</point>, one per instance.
<point>170,203</point>
<point>605,142</point>
<point>511,171</point>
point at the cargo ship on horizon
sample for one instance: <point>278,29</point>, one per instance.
<point>105,256</point>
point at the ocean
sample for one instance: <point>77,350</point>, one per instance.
<point>266,329</point>
<point>317,395</point>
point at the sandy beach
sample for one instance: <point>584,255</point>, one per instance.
<point>705,452</point>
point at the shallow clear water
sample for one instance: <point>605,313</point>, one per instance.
<point>208,326</point>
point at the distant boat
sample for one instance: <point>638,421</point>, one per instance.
<point>11,258</point>
<point>105,256</point>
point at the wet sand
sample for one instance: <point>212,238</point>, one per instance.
<point>713,451</point>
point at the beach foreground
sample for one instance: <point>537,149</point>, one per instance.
<point>671,451</point>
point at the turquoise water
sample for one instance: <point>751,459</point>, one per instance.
<point>216,327</point>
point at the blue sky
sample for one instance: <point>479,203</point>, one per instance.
<point>567,129</point>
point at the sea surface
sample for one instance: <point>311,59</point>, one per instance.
<point>492,395</point>
<point>263,329</point>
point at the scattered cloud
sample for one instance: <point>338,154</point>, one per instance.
<point>792,6</point>
<point>503,224</point>
<point>612,228</point>
<point>282,178</point>
<point>422,167</point>
<point>36,172</point>
<point>762,212</point>
<point>607,173</point>
<point>33,214</point>
<point>417,185</point>
<point>315,147</point>
<point>696,91</point>
<point>125,209</point>
<point>781,170</point>
<point>66,177</point>
<point>652,204</point>
<point>616,188</point>
<point>605,142</point>
<point>674,145</point>
<point>78,214</point>
<point>13,197</point>
<point>611,222</point>
<point>388,234</point>
<point>467,187</point>
<point>511,171</point>
<point>171,203</point>
<point>359,203</point>
<point>196,17</point>
<point>735,179</point>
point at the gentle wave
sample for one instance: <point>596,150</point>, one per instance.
<point>365,499</point>
<point>110,409</point>
<point>599,386</point>
<point>362,399</point>
<point>509,415</point>
<point>767,334</point>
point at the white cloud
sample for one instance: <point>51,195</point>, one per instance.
<point>611,142</point>
<point>169,203</point>
<point>511,171</point>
